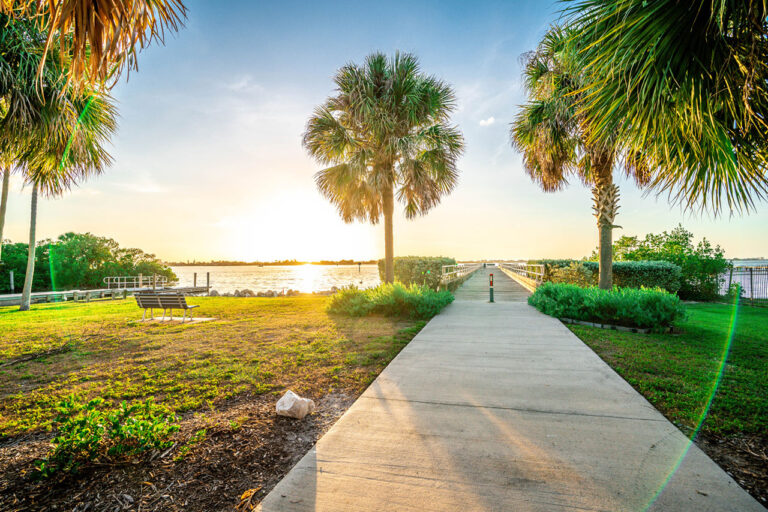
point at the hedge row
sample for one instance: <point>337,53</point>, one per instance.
<point>413,301</point>
<point>421,270</point>
<point>629,307</point>
<point>627,274</point>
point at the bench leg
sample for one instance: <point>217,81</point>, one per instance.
<point>144,315</point>
<point>171,310</point>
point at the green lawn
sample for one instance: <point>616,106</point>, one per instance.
<point>256,345</point>
<point>677,372</point>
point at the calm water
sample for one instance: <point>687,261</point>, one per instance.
<point>305,278</point>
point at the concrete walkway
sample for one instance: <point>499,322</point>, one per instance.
<point>496,407</point>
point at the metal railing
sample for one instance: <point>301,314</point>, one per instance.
<point>529,275</point>
<point>140,281</point>
<point>753,282</point>
<point>453,273</point>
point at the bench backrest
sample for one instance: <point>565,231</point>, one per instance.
<point>161,300</point>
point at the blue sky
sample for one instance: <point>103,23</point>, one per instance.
<point>211,125</point>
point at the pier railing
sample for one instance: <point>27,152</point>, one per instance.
<point>140,281</point>
<point>453,273</point>
<point>528,275</point>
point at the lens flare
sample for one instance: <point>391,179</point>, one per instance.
<point>713,391</point>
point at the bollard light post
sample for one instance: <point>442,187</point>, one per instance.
<point>491,288</point>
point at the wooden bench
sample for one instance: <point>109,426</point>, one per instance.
<point>151,300</point>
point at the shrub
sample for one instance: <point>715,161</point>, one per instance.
<point>626,274</point>
<point>414,301</point>
<point>629,307</point>
<point>87,433</point>
<point>422,270</point>
<point>702,266</point>
<point>575,273</point>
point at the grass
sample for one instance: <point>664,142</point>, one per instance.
<point>256,345</point>
<point>677,372</point>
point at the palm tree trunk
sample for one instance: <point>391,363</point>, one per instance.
<point>30,274</point>
<point>606,198</point>
<point>389,248</point>
<point>4,204</point>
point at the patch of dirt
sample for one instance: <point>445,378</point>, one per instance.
<point>745,459</point>
<point>246,450</point>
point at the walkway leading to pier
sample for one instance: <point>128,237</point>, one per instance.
<point>496,407</point>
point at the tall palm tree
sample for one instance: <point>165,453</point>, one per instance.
<point>101,36</point>
<point>67,148</point>
<point>386,136</point>
<point>551,133</point>
<point>684,85</point>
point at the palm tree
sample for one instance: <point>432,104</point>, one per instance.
<point>554,139</point>
<point>385,134</point>
<point>682,85</point>
<point>101,36</point>
<point>67,148</point>
<point>21,53</point>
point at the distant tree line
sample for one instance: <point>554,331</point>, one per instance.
<point>76,261</point>
<point>229,263</point>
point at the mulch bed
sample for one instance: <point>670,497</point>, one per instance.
<point>244,459</point>
<point>744,458</point>
<point>234,467</point>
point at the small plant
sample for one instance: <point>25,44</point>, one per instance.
<point>629,307</point>
<point>735,292</point>
<point>197,438</point>
<point>414,301</point>
<point>87,433</point>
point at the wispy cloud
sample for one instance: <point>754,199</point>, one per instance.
<point>244,83</point>
<point>487,122</point>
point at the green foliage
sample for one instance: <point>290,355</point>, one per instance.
<point>626,274</point>
<point>77,261</point>
<point>575,273</point>
<point>414,301</point>
<point>385,136</point>
<point>423,270</point>
<point>87,433</point>
<point>702,265</point>
<point>681,86</point>
<point>627,307</point>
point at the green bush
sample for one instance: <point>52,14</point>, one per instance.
<point>414,301</point>
<point>575,273</point>
<point>422,270</point>
<point>626,274</point>
<point>702,266</point>
<point>87,433</point>
<point>629,307</point>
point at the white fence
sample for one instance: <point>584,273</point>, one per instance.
<point>453,273</point>
<point>129,282</point>
<point>528,275</point>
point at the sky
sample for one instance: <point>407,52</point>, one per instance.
<point>208,161</point>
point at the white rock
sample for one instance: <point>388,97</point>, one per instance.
<point>293,406</point>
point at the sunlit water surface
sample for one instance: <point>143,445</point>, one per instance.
<point>304,278</point>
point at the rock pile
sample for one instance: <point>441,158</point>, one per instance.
<point>250,293</point>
